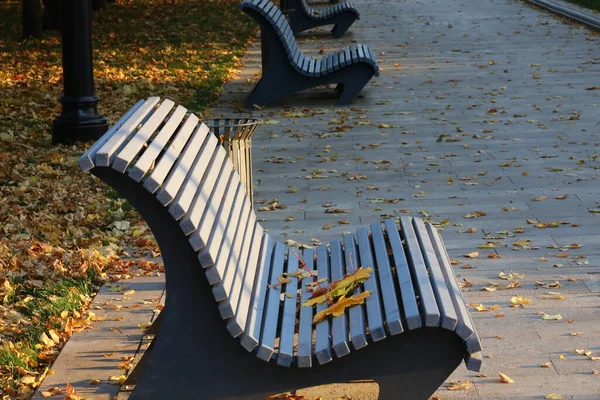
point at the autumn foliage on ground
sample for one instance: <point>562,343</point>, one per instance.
<point>62,232</point>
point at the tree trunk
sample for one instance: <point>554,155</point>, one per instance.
<point>32,18</point>
<point>52,19</point>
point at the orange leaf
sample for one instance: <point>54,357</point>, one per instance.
<point>340,306</point>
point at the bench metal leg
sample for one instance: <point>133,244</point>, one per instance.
<point>341,27</point>
<point>348,89</point>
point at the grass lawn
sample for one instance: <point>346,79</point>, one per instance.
<point>591,4</point>
<point>62,232</point>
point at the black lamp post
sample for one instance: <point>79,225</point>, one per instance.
<point>79,120</point>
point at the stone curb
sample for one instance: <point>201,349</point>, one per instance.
<point>586,18</point>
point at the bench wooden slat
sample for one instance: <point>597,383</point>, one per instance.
<point>237,324</point>
<point>317,71</point>
<point>438,281</point>
<point>305,325</point>
<point>228,306</point>
<point>407,291</point>
<point>272,309</point>
<point>107,153</point>
<point>223,247</point>
<point>373,303</point>
<point>348,56</point>
<point>210,253</point>
<point>464,327</point>
<point>208,197</point>
<point>162,168</point>
<point>285,355</point>
<point>356,314</point>
<point>148,158</point>
<point>138,141</point>
<point>386,281</point>
<point>204,172</point>
<point>87,160</point>
<point>185,163</point>
<point>428,303</point>
<point>335,63</point>
<point>251,335</point>
<point>222,289</point>
<point>199,238</point>
<point>474,361</point>
<point>339,328</point>
<point>323,330</point>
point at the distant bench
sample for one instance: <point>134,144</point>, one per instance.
<point>286,69</point>
<point>302,16</point>
<point>222,271</point>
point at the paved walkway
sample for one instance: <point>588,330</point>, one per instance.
<point>487,106</point>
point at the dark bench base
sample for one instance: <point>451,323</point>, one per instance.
<point>194,357</point>
<point>301,21</point>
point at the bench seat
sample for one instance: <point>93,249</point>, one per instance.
<point>223,274</point>
<point>286,69</point>
<point>302,16</point>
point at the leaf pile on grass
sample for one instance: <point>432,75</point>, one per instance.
<point>62,232</point>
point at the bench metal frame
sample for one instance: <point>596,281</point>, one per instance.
<point>302,17</point>
<point>422,317</point>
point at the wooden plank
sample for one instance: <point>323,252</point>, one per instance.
<point>335,63</point>
<point>438,282</point>
<point>322,329</point>
<point>251,334</point>
<point>220,242</point>
<point>237,324</point>
<point>266,347</point>
<point>209,195</point>
<point>88,159</point>
<point>318,64</point>
<point>228,307</point>
<point>199,238</point>
<point>342,58</point>
<point>107,153</point>
<point>285,354</point>
<point>227,262</point>
<point>139,139</point>
<point>386,281</point>
<point>465,328</point>
<point>339,328</point>
<point>204,172</point>
<point>311,67</point>
<point>473,362</point>
<point>429,307</point>
<point>199,144</point>
<point>162,168</point>
<point>146,161</point>
<point>348,56</point>
<point>330,59</point>
<point>373,304</point>
<point>356,314</point>
<point>407,291</point>
<point>305,325</point>
<point>361,53</point>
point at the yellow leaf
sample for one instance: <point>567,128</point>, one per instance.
<point>518,300</point>
<point>504,378</point>
<point>472,254</point>
<point>340,288</point>
<point>548,317</point>
<point>561,357</point>
<point>338,307</point>
<point>117,379</point>
<point>545,365</point>
<point>554,396</point>
<point>459,385</point>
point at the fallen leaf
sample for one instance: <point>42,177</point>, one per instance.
<point>472,254</point>
<point>549,317</point>
<point>504,378</point>
<point>340,306</point>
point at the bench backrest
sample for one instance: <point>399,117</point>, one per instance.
<point>178,160</point>
<point>273,17</point>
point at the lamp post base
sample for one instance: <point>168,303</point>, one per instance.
<point>79,121</point>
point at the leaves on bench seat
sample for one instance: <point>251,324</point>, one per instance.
<point>340,306</point>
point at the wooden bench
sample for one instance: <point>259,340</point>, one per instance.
<point>225,332</point>
<point>286,69</point>
<point>302,17</point>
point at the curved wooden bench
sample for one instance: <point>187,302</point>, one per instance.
<point>286,69</point>
<point>221,265</point>
<point>302,16</point>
